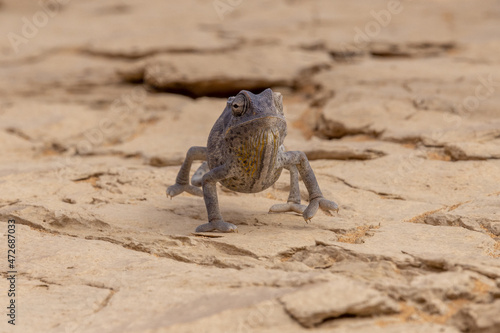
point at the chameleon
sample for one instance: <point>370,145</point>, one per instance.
<point>245,153</point>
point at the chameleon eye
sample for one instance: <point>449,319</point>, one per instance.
<point>239,105</point>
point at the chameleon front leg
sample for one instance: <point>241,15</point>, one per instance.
<point>316,199</point>
<point>182,180</point>
<point>215,221</point>
<point>293,202</point>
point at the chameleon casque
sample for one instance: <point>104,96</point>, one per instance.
<point>245,153</point>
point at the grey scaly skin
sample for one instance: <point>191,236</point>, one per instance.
<point>245,153</point>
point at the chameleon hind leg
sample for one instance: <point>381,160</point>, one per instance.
<point>197,178</point>
<point>182,180</point>
<point>293,202</point>
<point>316,199</point>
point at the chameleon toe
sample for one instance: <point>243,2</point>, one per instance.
<point>177,189</point>
<point>287,207</point>
<point>327,206</point>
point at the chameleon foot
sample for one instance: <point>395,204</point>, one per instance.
<point>325,205</point>
<point>287,207</point>
<point>217,225</point>
<point>177,189</point>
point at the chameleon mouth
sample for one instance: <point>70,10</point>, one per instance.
<point>261,122</point>
<point>267,119</point>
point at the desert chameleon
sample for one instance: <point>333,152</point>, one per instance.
<point>245,153</point>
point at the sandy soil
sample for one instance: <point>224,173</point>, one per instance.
<point>396,104</point>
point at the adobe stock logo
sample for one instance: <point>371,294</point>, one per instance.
<point>381,20</point>
<point>31,26</point>
<point>225,7</point>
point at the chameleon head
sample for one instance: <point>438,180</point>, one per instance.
<point>251,113</point>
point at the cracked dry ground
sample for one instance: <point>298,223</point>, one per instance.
<point>98,111</point>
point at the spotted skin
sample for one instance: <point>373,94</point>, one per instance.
<point>254,153</point>
<point>245,153</point>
